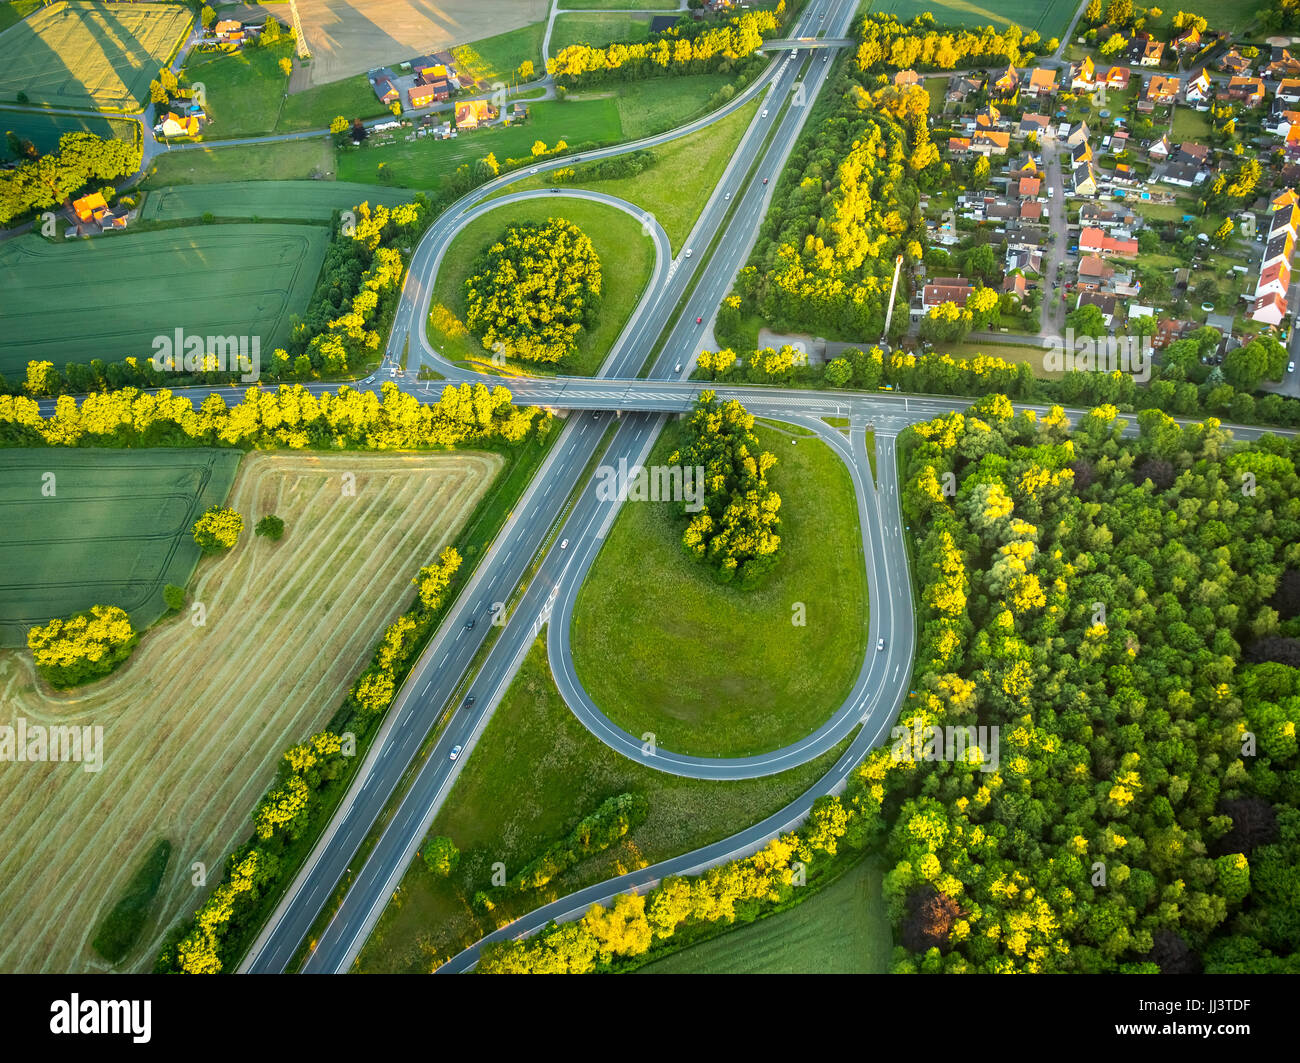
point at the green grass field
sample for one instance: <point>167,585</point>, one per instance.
<point>1231,15</point>
<point>115,532</point>
<point>44,130</point>
<point>90,54</point>
<point>1049,17</point>
<point>242,91</point>
<point>498,58</point>
<point>616,5</point>
<point>678,185</point>
<point>424,163</point>
<point>107,298</point>
<point>534,773</point>
<point>715,670</point>
<point>287,160</point>
<point>12,11</point>
<point>842,929</point>
<point>317,107</point>
<point>626,261</point>
<point>266,200</point>
<point>598,30</point>
<point>1009,352</point>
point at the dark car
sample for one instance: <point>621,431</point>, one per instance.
<point>469,624</point>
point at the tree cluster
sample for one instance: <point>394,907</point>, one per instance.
<point>735,531</point>
<point>52,180</point>
<point>532,293</point>
<point>85,647</point>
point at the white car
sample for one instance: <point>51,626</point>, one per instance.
<point>564,544</point>
<point>688,252</point>
<point>678,367</point>
<point>727,196</point>
<point>880,644</point>
<point>533,170</point>
<point>455,752</point>
<point>1290,367</point>
<point>764,113</point>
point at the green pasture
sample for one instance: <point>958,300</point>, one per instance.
<point>264,200</point>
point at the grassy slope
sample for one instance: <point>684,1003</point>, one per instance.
<point>842,929</point>
<point>715,670</point>
<point>598,30</point>
<point>535,772</point>
<point>626,257</point>
<point>497,58</point>
<point>678,185</point>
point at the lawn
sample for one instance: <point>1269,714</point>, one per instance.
<point>598,30</point>
<point>114,533</point>
<point>265,200</point>
<point>196,722</point>
<point>626,262</point>
<point>44,129</point>
<point>90,54</point>
<point>424,163</point>
<point>109,297</point>
<point>656,104</point>
<point>841,929</point>
<point>715,670</point>
<point>1048,17</point>
<point>242,91</point>
<point>1190,125</point>
<point>534,773</point>
<point>288,160</point>
<point>321,104</point>
<point>498,58</point>
<point>678,185</point>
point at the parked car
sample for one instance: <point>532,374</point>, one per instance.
<point>1290,367</point>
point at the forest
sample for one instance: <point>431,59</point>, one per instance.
<point>43,182</point>
<point>531,294</point>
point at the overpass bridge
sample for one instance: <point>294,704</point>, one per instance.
<point>785,44</point>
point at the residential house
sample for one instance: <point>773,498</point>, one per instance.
<point>1278,247</point>
<point>1286,198</point>
<point>1116,220</point>
<point>227,27</point>
<point>990,142</point>
<point>89,208</point>
<point>906,79</point>
<point>1031,211</point>
<point>1169,330</point>
<point>1028,187</point>
<point>1270,305</point>
<point>1186,41</point>
<point>1033,123</point>
<point>1025,259</point>
<point>426,95</point>
<point>1014,284</point>
<point>1246,90</point>
<point>1083,75</point>
<point>1077,135</point>
<point>174,125</point>
<point>1153,52</point>
<point>1199,89</point>
<point>961,86</point>
<point>945,290</point>
<point>1094,273</point>
<point>1081,153</point>
<point>1099,242</point>
<point>1007,84</point>
<point>1234,63</point>
<point>1160,150</point>
<point>1103,302</point>
<point>1283,65</point>
<point>1042,81</point>
<point>385,90</point>
<point>1025,163</point>
<point>1269,310</point>
<point>1185,173</point>
<point>1083,180</point>
<point>1280,122</point>
<point>473,114</point>
<point>1190,150</point>
<point>1161,90</point>
<point>1275,277</point>
<point>1117,78</point>
<point>958,145</point>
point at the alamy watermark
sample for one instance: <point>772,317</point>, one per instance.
<point>59,744</point>
<point>658,483</point>
<point>947,743</point>
<point>1106,354</point>
<point>179,353</point>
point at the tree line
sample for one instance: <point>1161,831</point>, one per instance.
<point>886,42</point>
<point>735,530</point>
<point>533,293</point>
<point>41,182</point>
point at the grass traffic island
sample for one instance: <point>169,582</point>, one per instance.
<point>843,928</point>
<point>714,670</point>
<point>534,773</point>
<point>626,257</point>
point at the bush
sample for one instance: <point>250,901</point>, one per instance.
<point>121,928</point>
<point>174,597</point>
<point>441,855</point>
<point>85,647</point>
<point>218,529</point>
<point>271,527</point>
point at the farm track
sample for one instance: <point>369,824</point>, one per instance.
<point>194,725</point>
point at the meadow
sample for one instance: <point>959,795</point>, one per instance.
<point>1049,17</point>
<point>115,531</point>
<point>81,53</point>
<point>265,200</point>
<point>109,297</point>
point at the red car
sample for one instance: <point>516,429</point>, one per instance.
<point>764,180</point>
<point>699,321</point>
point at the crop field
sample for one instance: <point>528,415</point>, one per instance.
<point>714,670</point>
<point>842,929</point>
<point>115,532</point>
<point>309,200</point>
<point>76,53</point>
<point>1049,17</point>
<point>44,130</point>
<point>103,298</point>
<point>194,724</point>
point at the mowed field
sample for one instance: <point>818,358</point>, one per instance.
<point>1049,17</point>
<point>115,532</point>
<point>842,929</point>
<point>77,53</point>
<point>44,130</point>
<point>309,200</point>
<point>196,721</point>
<point>108,298</point>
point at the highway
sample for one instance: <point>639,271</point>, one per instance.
<point>535,529</point>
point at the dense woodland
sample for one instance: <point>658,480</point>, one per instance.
<point>531,294</point>
<point>735,531</point>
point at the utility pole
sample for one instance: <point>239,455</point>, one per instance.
<point>893,291</point>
